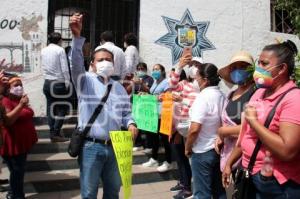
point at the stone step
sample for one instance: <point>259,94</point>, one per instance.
<point>43,130</point>
<point>44,145</point>
<point>159,190</point>
<point>62,161</point>
<point>69,119</point>
<point>66,180</point>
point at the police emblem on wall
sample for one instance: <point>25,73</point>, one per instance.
<point>185,33</point>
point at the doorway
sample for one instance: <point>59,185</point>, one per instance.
<point>118,16</point>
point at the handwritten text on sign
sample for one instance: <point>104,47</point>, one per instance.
<point>122,144</point>
<point>145,112</point>
<point>166,114</point>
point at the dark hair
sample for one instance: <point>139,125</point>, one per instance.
<point>210,72</point>
<point>286,53</point>
<point>141,64</point>
<point>183,76</point>
<point>54,38</point>
<point>131,39</point>
<point>107,36</point>
<point>101,50</point>
<point>162,69</point>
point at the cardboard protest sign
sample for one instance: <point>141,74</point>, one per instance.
<point>122,145</point>
<point>145,112</point>
<point>166,114</point>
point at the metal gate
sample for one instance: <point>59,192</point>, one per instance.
<point>119,16</point>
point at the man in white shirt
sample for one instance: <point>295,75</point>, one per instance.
<point>119,56</point>
<point>131,53</point>
<point>56,86</point>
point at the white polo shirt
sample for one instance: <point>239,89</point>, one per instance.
<point>206,110</point>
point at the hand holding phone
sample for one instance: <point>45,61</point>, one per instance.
<point>187,51</point>
<point>186,57</point>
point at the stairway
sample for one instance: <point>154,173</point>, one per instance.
<point>51,169</point>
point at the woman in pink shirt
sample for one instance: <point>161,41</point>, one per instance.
<point>276,172</point>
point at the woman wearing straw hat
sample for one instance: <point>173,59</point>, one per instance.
<point>238,72</point>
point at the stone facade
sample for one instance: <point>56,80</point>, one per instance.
<point>233,25</point>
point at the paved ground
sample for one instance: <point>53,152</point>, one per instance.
<point>159,190</point>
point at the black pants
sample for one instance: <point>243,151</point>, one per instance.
<point>140,141</point>
<point>16,165</point>
<point>58,97</point>
<point>154,138</point>
<point>184,167</point>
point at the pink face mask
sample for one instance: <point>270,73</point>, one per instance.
<point>17,91</point>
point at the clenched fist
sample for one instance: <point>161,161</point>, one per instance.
<point>76,24</point>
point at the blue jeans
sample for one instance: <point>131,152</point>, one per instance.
<point>97,161</point>
<point>207,180</point>
<point>271,189</point>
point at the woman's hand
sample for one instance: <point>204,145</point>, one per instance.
<point>160,97</point>
<point>137,81</point>
<point>226,176</point>
<point>176,98</point>
<point>24,101</point>
<point>185,60</point>
<point>219,145</point>
<point>142,93</point>
<point>250,113</point>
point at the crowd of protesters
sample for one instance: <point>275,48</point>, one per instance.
<point>213,135</point>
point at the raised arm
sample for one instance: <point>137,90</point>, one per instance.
<point>174,83</point>
<point>12,114</point>
<point>76,54</point>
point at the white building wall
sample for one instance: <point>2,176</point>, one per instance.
<point>234,25</point>
<point>30,33</point>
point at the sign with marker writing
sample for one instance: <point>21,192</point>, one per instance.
<point>145,112</point>
<point>122,145</point>
<point>166,114</point>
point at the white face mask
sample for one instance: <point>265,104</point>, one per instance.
<point>105,69</point>
<point>196,86</point>
<point>17,91</point>
<point>191,72</point>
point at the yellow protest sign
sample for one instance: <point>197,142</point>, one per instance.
<point>122,145</point>
<point>166,114</point>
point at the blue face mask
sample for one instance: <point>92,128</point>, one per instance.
<point>239,76</point>
<point>141,74</point>
<point>156,74</point>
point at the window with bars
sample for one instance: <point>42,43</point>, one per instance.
<point>280,21</point>
<point>61,25</point>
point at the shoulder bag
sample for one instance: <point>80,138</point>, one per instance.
<point>78,135</point>
<point>243,186</point>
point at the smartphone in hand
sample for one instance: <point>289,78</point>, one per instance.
<point>187,50</point>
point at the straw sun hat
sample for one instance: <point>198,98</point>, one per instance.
<point>241,56</point>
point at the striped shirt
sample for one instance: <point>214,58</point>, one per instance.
<point>185,89</point>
